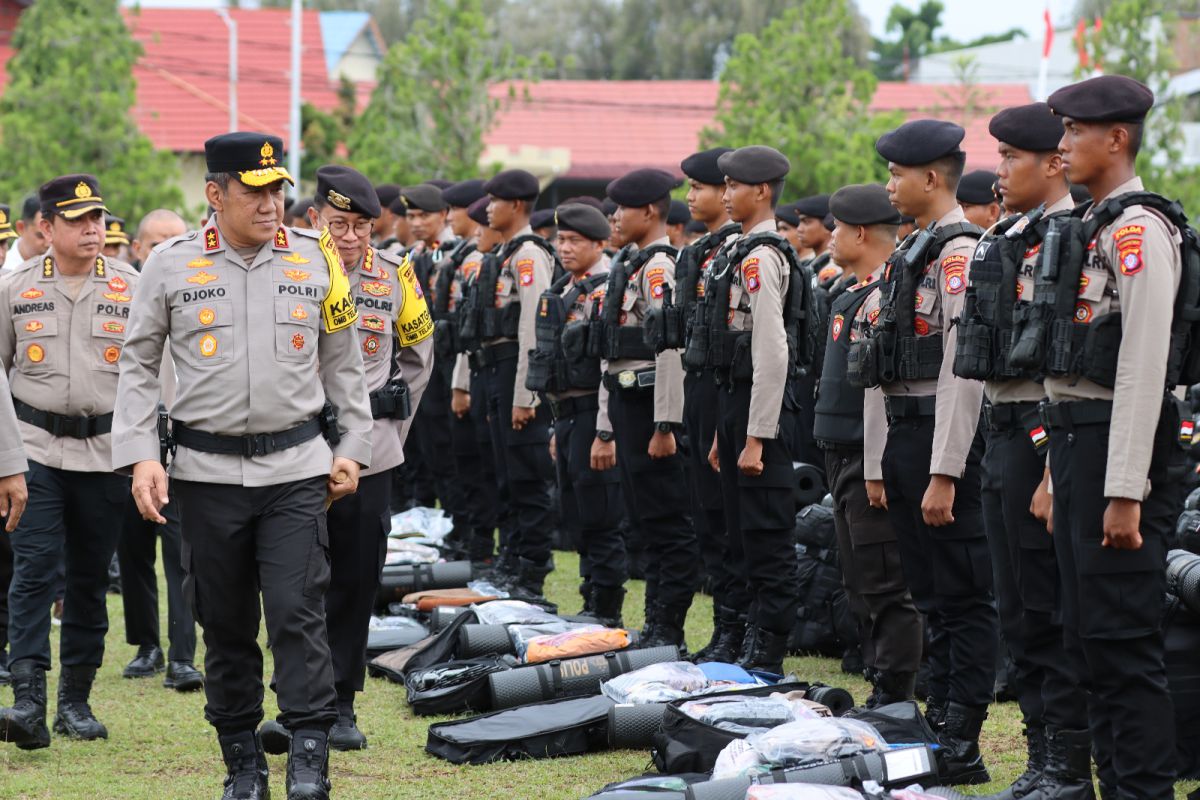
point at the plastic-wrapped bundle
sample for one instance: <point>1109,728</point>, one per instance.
<point>581,641</point>
<point>657,683</point>
<point>512,612</point>
<point>811,741</point>
<point>747,715</point>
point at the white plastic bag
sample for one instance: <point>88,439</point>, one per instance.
<point>812,741</point>
<point>426,525</point>
<point>657,683</point>
<point>510,612</point>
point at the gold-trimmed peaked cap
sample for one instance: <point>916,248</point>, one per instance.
<point>114,230</point>
<point>71,196</point>
<point>6,228</point>
<point>255,158</point>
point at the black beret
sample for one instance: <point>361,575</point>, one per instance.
<point>513,184</point>
<point>388,193</point>
<point>6,228</point>
<point>586,220</point>
<point>863,204</point>
<point>816,206</point>
<point>921,141</point>
<point>696,226</point>
<point>424,197</point>
<point>829,222</point>
<point>478,211</point>
<point>461,195</point>
<point>71,196</point>
<point>609,207</point>
<point>114,230</point>
<point>1107,98</point>
<point>641,187</point>
<point>542,218</point>
<point>347,189</point>
<point>1032,127</point>
<point>594,202</point>
<point>679,214</point>
<point>786,212</point>
<point>440,183</point>
<point>703,167</point>
<point>398,206</point>
<point>256,158</point>
<point>977,188</point>
<point>754,164</point>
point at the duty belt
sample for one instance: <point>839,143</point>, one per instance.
<point>1069,413</point>
<point>909,407</point>
<point>491,354</point>
<point>570,406</point>
<point>63,424</point>
<point>629,380</point>
<point>1002,416</point>
<point>248,445</point>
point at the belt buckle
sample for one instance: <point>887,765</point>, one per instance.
<point>1044,414</point>
<point>627,378</point>
<point>255,444</point>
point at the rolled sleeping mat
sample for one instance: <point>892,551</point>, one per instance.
<point>574,677</point>
<point>482,640</point>
<point>632,727</point>
<point>1183,578</point>
<point>809,483</point>
<point>442,616</point>
<point>399,580</point>
<point>838,701</point>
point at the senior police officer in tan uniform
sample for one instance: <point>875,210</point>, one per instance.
<point>68,313</point>
<point>271,420</point>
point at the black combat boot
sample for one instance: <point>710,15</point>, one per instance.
<point>891,687</point>
<point>1068,771</point>
<point>668,628</point>
<point>482,550</point>
<point>147,663</point>
<point>25,723</point>
<point>345,735</point>
<point>589,601</point>
<point>935,713</point>
<point>531,580</point>
<point>74,717</point>
<point>1027,785</point>
<point>246,772</point>
<point>607,605</point>
<point>274,737</point>
<point>701,655</point>
<point>732,636</point>
<point>765,651</point>
<point>308,766</point>
<point>959,761</point>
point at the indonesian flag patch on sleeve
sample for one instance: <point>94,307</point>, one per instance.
<point>1187,428</point>
<point>1039,437</point>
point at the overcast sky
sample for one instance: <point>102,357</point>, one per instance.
<point>964,20</point>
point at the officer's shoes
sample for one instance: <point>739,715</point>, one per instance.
<point>667,629</point>
<point>608,604</point>
<point>763,651</point>
<point>1026,785</point>
<point>308,766</point>
<point>701,655</point>
<point>1068,772</point>
<point>146,664</point>
<point>891,687</point>
<point>345,735</point>
<point>246,776</point>
<point>24,724</point>
<point>274,737</point>
<point>729,644</point>
<point>74,717</point>
<point>959,760</point>
<point>183,677</point>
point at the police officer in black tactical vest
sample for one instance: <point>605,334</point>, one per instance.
<point>1015,476</point>
<point>890,627</point>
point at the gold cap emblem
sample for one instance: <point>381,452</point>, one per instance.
<point>116,226</point>
<point>268,155</point>
<point>3,218</point>
<point>82,190</point>
<point>338,200</point>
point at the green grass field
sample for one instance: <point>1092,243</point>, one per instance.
<point>161,747</point>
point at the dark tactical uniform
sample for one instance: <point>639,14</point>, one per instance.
<point>12,462</point>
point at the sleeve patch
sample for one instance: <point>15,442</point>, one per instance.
<point>954,267</point>
<point>750,271</point>
<point>413,321</point>
<point>657,276</point>
<point>1125,231</point>
<point>525,271</point>
<point>338,309</point>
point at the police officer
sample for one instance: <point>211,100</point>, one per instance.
<point>1053,705</point>
<point>646,401</point>
<point>116,240</point>
<point>748,288</point>
<point>262,328</point>
<point>888,622</point>
<point>933,418</point>
<point>519,424</point>
<point>7,234</point>
<point>589,489</point>
<point>13,496</point>
<point>786,220</point>
<point>976,194</point>
<point>811,230</point>
<point>677,219</point>
<point>68,314</point>
<point>383,234</point>
<point>1116,439</point>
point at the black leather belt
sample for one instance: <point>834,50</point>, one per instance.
<point>491,354</point>
<point>1069,413</point>
<point>62,424</point>
<point>909,407</point>
<point>249,445</point>
<point>1003,416</point>
<point>570,406</point>
<point>629,380</point>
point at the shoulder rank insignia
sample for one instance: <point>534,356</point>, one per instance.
<point>99,266</point>
<point>369,260</point>
<point>281,239</point>
<point>296,258</point>
<point>48,267</point>
<point>197,263</point>
<point>212,240</point>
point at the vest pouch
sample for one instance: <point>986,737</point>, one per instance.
<point>510,320</point>
<point>489,324</point>
<point>1100,349</point>
<point>741,362</point>
<point>583,374</point>
<point>920,357</point>
<point>1002,368</point>
<point>541,377</point>
<point>445,338</point>
<point>695,354</point>
<point>862,367</point>
<point>653,329</point>
<point>575,341</point>
<point>673,327</point>
<point>1030,334</point>
<point>973,357</point>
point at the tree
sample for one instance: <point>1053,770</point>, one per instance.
<point>915,29</point>
<point>67,108</point>
<point>323,133</point>
<point>794,87</point>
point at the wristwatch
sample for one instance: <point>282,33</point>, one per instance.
<point>604,436</point>
<point>662,427</point>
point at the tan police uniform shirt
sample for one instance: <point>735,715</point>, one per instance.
<point>61,349</point>
<point>643,292</point>
<point>1132,266</point>
<point>874,413</point>
<point>524,275</point>
<point>757,289</point>
<point>1020,390</point>
<point>384,297</point>
<point>940,296</point>
<point>581,311</point>
<point>258,348</point>
<point>12,452</point>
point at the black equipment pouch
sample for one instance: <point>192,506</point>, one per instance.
<point>166,442</point>
<point>392,401</point>
<point>329,427</point>
<point>619,341</point>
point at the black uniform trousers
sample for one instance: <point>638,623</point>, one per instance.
<point>358,529</point>
<point>590,500</point>
<point>760,515</point>
<point>658,494</point>
<point>431,430</point>
<point>889,625</point>
<point>948,568</point>
<point>137,551</point>
<point>239,542</point>
<point>475,465</point>
<point>72,518</point>
<point>1025,570</point>
<point>522,460</point>
<point>6,573</point>
<point>700,422</point>
<point>1113,601</point>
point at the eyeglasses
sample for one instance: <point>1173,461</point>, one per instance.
<point>340,227</point>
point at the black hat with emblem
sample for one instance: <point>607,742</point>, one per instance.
<point>594,202</point>
<point>388,194</point>
<point>542,218</point>
<point>641,187</point>
<point>1106,98</point>
<point>423,197</point>
<point>863,204</point>
<point>755,164</point>
<point>609,206</point>
<point>71,196</point>
<point>6,228</point>
<point>977,188</point>
<point>1032,127</point>
<point>255,158</point>
<point>346,189</point>
<point>702,167</point>
<point>679,214</point>
<point>477,211</point>
<point>462,194</point>
<point>815,206</point>
<point>513,184</point>
<point>440,183</point>
<point>920,142</point>
<point>588,221</point>
<point>786,212</point>
<point>114,230</point>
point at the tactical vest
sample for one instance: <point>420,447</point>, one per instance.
<point>839,409</point>
<point>713,346</point>
<point>446,321</point>
<point>892,351</point>
<point>560,361</point>
<point>1051,338</point>
<point>480,320</point>
<point>607,337</point>
<point>676,318</point>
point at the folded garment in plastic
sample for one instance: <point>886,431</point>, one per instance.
<point>403,632</point>
<point>801,791</point>
<point>800,743</point>
<point>454,686</point>
<point>649,787</point>
<point>404,551</point>
<point>427,600</point>
<point>657,683</point>
<point>543,730</point>
<point>580,640</point>
<point>513,612</point>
